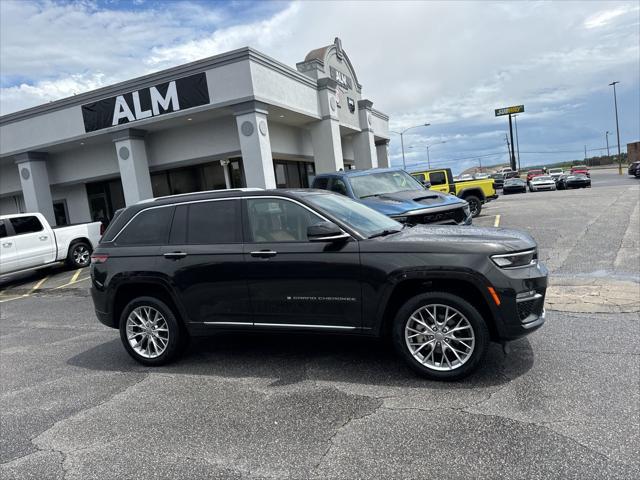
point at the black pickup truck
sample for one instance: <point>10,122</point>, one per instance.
<point>313,261</point>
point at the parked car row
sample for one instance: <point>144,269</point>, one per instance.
<point>548,179</point>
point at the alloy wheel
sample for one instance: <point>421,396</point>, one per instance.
<point>147,332</point>
<point>439,337</point>
<point>81,255</point>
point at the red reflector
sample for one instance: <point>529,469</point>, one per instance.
<point>97,258</point>
<point>102,229</point>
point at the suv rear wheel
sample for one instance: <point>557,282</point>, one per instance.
<point>440,335</point>
<point>150,331</point>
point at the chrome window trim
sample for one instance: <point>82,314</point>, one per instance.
<point>277,197</point>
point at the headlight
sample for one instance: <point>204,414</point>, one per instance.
<point>516,260</point>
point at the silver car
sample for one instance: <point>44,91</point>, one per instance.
<point>542,182</point>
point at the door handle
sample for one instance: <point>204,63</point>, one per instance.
<point>7,245</point>
<point>175,255</point>
<point>43,237</point>
<point>264,254</point>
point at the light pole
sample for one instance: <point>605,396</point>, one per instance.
<point>615,103</point>
<point>404,165</point>
<point>515,121</point>
<point>428,147</point>
<point>606,136</point>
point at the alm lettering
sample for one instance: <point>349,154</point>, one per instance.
<point>122,109</point>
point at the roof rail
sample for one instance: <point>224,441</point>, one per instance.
<point>250,189</point>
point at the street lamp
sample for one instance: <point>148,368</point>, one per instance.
<point>615,103</point>
<point>428,146</point>
<point>404,165</point>
<point>606,136</point>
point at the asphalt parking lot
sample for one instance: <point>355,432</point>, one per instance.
<point>564,403</point>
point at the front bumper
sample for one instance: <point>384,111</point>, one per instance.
<point>521,309</point>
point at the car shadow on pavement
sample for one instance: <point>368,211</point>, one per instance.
<point>293,358</point>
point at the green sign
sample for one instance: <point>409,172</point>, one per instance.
<point>509,110</point>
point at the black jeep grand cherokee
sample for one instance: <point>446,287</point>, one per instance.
<point>310,260</point>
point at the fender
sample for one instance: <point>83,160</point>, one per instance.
<point>135,278</point>
<point>397,277</point>
<point>472,191</point>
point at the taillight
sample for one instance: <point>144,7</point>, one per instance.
<point>102,228</point>
<point>99,258</point>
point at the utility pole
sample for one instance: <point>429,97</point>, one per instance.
<point>480,163</point>
<point>585,154</point>
<point>515,121</point>
<point>606,136</point>
<point>506,139</point>
<point>615,103</point>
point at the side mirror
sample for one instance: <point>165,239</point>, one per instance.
<point>426,184</point>
<point>325,232</point>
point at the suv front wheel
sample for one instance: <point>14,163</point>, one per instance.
<point>440,335</point>
<point>150,331</point>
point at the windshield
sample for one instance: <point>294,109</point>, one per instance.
<point>555,170</point>
<point>541,179</point>
<point>361,218</point>
<point>380,183</point>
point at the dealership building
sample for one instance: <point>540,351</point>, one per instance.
<point>239,119</point>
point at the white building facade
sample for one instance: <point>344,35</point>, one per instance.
<point>239,119</point>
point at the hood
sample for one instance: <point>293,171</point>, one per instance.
<point>458,239</point>
<point>398,203</point>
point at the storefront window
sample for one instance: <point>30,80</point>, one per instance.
<point>291,174</point>
<point>60,212</point>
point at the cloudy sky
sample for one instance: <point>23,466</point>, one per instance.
<point>446,63</point>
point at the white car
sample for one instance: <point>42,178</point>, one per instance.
<point>542,182</point>
<point>28,242</point>
<point>555,173</point>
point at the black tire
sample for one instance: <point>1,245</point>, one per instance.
<point>79,254</point>
<point>480,330</point>
<point>177,337</point>
<point>475,205</point>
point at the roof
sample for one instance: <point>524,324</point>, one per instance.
<point>357,173</point>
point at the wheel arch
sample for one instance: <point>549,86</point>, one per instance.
<point>465,285</point>
<point>78,240</point>
<point>126,291</point>
<point>476,191</point>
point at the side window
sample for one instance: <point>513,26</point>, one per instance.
<point>149,227</point>
<point>277,220</point>
<point>338,186</point>
<point>437,178</point>
<point>214,222</point>
<point>3,229</point>
<point>22,225</point>
<point>321,183</point>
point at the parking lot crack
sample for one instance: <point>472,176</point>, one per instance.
<point>344,425</point>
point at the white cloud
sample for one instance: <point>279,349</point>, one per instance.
<point>447,63</point>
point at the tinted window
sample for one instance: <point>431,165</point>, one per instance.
<point>321,183</point>
<point>149,227</point>
<point>437,178</point>
<point>214,222</point>
<point>273,220</point>
<point>339,186</point>
<point>3,229</point>
<point>23,225</point>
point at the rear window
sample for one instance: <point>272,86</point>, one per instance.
<point>437,178</point>
<point>22,225</point>
<point>214,222</point>
<point>149,227</point>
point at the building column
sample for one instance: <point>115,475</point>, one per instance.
<point>382,152</point>
<point>134,168</point>
<point>325,133</point>
<point>255,145</point>
<point>364,143</point>
<point>34,179</point>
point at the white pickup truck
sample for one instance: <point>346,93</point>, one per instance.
<point>27,242</point>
